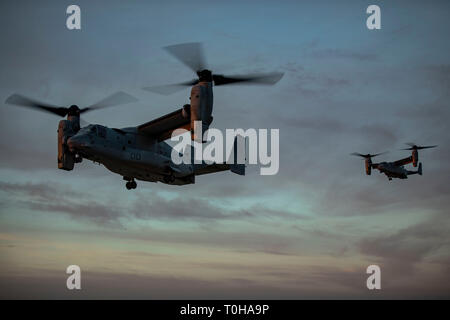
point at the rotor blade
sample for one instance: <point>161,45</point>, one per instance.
<point>268,78</point>
<point>357,154</point>
<point>367,155</point>
<point>170,88</point>
<point>426,147</point>
<point>191,54</point>
<point>378,154</point>
<point>113,100</point>
<point>19,100</point>
<point>416,147</point>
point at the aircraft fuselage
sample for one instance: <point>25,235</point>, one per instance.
<point>125,152</point>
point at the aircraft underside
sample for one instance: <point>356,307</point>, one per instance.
<point>131,173</point>
<point>397,175</point>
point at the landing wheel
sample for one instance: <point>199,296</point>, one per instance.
<point>78,158</point>
<point>131,185</point>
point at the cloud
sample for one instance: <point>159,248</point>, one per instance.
<point>98,285</point>
<point>328,125</point>
<point>88,210</point>
<point>40,191</point>
<point>313,84</point>
<point>312,49</point>
<point>25,157</point>
<point>179,209</point>
<point>401,251</point>
<point>237,281</point>
<point>334,53</point>
<point>49,197</point>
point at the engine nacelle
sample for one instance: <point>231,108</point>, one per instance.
<point>66,159</point>
<point>201,108</point>
<point>368,166</point>
<point>415,157</point>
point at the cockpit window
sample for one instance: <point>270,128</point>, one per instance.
<point>95,130</point>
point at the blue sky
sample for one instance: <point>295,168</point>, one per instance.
<point>308,232</point>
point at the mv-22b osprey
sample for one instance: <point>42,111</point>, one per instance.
<point>140,153</point>
<point>395,169</point>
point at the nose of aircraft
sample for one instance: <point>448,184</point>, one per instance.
<point>76,142</point>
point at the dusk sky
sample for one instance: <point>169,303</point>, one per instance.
<point>308,232</point>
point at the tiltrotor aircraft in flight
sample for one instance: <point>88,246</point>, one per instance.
<point>395,169</point>
<point>140,153</point>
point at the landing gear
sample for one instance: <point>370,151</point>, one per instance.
<point>78,158</point>
<point>131,185</point>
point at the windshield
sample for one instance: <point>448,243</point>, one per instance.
<point>94,129</point>
<point>89,129</point>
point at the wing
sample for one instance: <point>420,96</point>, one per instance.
<point>163,127</point>
<point>217,167</point>
<point>403,162</point>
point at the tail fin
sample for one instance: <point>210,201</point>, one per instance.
<point>419,171</point>
<point>238,165</point>
<point>238,169</point>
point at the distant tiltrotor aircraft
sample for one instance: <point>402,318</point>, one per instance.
<point>395,169</point>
